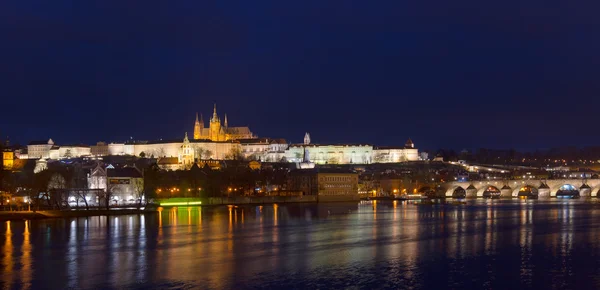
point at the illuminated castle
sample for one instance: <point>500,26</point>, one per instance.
<point>218,132</point>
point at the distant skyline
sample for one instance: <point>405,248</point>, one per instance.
<point>467,74</point>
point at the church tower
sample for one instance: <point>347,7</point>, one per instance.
<point>186,154</point>
<point>198,127</point>
<point>215,126</point>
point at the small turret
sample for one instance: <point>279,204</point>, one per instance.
<point>225,123</point>
<point>409,144</point>
<point>306,138</point>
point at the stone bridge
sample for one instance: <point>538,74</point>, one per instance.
<point>511,188</point>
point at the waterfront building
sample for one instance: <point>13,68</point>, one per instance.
<point>97,178</point>
<point>219,131</point>
<point>125,185</point>
<point>326,184</point>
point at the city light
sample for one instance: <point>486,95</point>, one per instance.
<point>180,203</point>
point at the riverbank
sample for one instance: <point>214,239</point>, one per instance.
<point>254,200</point>
<point>47,214</point>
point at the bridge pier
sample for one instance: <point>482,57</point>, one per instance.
<point>471,192</point>
<point>544,192</point>
<point>585,192</point>
<point>506,192</point>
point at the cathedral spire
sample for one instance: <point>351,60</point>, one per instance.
<point>198,128</point>
<point>225,121</point>
<point>215,118</point>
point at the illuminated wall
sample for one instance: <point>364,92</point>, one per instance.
<point>393,155</point>
<point>331,154</point>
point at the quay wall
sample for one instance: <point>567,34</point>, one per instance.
<point>244,200</point>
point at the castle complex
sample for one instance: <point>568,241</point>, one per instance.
<point>218,132</point>
<point>218,141</point>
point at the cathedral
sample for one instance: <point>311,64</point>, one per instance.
<point>218,132</point>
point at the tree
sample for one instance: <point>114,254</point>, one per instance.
<point>142,154</point>
<point>110,191</point>
<point>138,190</point>
<point>78,186</point>
<point>56,189</point>
<point>235,154</point>
<point>379,157</point>
<point>207,154</point>
<point>151,181</point>
<point>198,152</point>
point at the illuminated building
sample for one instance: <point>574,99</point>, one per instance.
<point>350,153</point>
<point>48,150</point>
<point>263,149</point>
<point>392,154</point>
<point>186,154</point>
<point>124,184</point>
<point>8,157</point>
<point>327,184</point>
<point>218,131</point>
<point>39,149</point>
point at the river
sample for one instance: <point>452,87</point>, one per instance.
<point>485,244</point>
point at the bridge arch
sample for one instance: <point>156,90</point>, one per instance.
<point>459,192</point>
<point>488,191</point>
<point>450,190</point>
<point>595,191</point>
<point>585,190</point>
<point>566,189</point>
<point>525,190</point>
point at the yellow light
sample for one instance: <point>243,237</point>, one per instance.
<point>395,190</point>
<point>180,203</point>
<point>189,189</point>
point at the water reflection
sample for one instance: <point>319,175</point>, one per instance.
<point>7,261</point>
<point>367,245</point>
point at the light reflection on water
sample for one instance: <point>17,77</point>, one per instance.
<point>484,244</point>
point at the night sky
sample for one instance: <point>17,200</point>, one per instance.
<point>459,74</point>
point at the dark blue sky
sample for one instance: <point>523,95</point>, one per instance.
<point>462,74</point>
